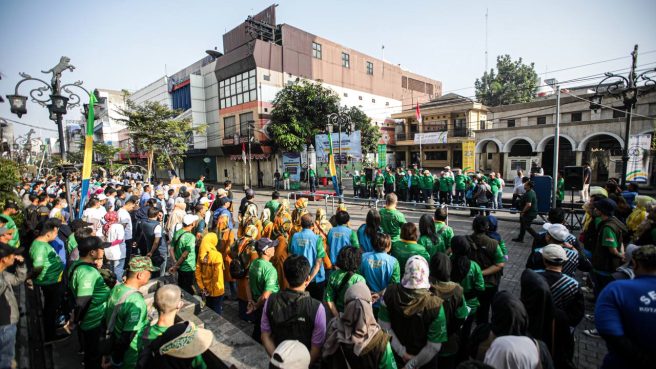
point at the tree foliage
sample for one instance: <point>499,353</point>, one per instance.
<point>9,178</point>
<point>513,82</point>
<point>301,110</point>
<point>154,129</point>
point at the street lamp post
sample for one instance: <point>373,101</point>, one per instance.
<point>339,120</point>
<point>627,88</point>
<point>49,95</point>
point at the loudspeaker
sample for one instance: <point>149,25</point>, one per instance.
<point>573,178</point>
<point>369,174</point>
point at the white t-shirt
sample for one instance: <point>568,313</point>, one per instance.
<point>158,231</point>
<point>115,233</point>
<point>126,221</point>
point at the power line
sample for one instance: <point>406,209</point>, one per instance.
<point>29,125</point>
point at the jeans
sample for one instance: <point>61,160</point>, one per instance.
<point>460,196</point>
<point>186,281</point>
<point>128,253</point>
<point>92,356</point>
<point>118,266</point>
<point>215,303</point>
<point>7,345</point>
<point>485,300</point>
<point>525,226</point>
<point>499,200</point>
<point>313,184</point>
<point>445,197</point>
<point>52,299</point>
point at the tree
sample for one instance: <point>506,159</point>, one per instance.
<point>9,177</point>
<point>300,111</point>
<point>154,129</point>
<point>106,153</point>
<point>514,82</point>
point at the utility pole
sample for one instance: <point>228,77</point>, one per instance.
<point>485,39</point>
<point>630,98</point>
<point>250,166</point>
<point>556,149</point>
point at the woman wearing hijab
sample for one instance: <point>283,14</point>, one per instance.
<point>504,353</point>
<point>367,232</point>
<point>321,227</point>
<point>282,224</point>
<point>114,233</point>
<point>355,340</point>
<point>345,275</point>
<point>300,209</point>
<point>414,317</point>
<point>209,272</point>
<point>455,307</point>
<point>267,224</point>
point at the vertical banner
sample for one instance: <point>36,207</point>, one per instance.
<point>637,167</point>
<point>88,154</point>
<point>382,156</point>
<point>331,166</point>
<point>291,162</point>
<point>468,157</point>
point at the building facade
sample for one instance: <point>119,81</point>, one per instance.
<point>517,135</point>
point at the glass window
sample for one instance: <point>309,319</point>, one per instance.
<point>244,120</point>
<point>346,60</point>
<point>511,123</point>
<point>316,50</point>
<point>233,100</point>
<point>238,89</point>
<point>370,68</point>
<point>251,73</point>
<point>229,126</point>
<point>436,155</point>
<point>542,120</point>
<point>577,117</point>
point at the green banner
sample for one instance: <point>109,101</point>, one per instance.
<point>382,155</point>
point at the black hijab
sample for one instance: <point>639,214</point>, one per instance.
<point>460,260</point>
<point>440,267</point>
<point>509,317</point>
<point>536,297</point>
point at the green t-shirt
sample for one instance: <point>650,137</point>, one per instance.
<point>391,221</point>
<point>273,206</point>
<point>185,242</point>
<point>608,238</point>
<point>561,189</point>
<point>389,178</point>
<point>473,281</point>
<point>262,277</point>
<point>285,175</point>
<point>157,330</point>
<point>530,196</point>
<point>71,243</point>
<point>387,360</point>
<point>312,173</point>
<point>445,232</point>
<point>131,317</point>
<point>335,280</point>
<point>426,182</point>
<point>200,185</point>
<point>461,182</point>
<point>403,251</point>
<point>495,185</point>
<point>15,238</point>
<point>436,331</point>
<point>446,183</point>
<point>403,182</point>
<point>87,281</point>
<point>44,255</point>
<point>432,247</point>
<point>380,180</point>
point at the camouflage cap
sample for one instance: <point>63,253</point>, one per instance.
<point>141,263</point>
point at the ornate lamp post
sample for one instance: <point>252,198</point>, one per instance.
<point>339,120</point>
<point>627,88</point>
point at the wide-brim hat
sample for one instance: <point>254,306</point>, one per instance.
<point>188,341</point>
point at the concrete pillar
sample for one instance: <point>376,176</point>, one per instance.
<point>407,157</point>
<point>579,158</point>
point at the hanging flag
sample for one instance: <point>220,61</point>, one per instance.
<point>418,114</point>
<point>331,165</point>
<point>243,152</point>
<point>88,154</point>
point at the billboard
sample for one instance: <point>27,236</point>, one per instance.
<point>431,138</point>
<point>468,157</point>
<point>350,146</point>
<point>291,161</point>
<point>638,165</point>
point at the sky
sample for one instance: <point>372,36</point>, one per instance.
<point>121,44</point>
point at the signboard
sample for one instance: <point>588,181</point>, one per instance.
<point>431,138</point>
<point>291,162</point>
<point>351,148</point>
<point>637,169</point>
<point>468,157</point>
<point>382,156</point>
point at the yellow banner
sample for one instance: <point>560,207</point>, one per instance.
<point>468,157</point>
<point>88,150</point>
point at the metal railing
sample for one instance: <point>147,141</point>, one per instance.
<point>309,195</point>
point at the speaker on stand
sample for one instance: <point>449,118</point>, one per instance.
<point>574,182</point>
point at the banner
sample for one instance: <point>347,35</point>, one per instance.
<point>382,156</point>
<point>468,157</point>
<point>88,154</point>
<point>291,162</point>
<point>637,167</point>
<point>350,146</point>
<point>331,166</point>
<point>431,138</point>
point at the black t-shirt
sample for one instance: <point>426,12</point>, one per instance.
<point>587,173</point>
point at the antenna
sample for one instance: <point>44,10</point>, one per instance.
<point>485,39</point>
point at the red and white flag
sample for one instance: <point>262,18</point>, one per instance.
<point>243,152</point>
<point>418,114</point>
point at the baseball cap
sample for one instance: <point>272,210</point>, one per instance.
<point>291,354</point>
<point>189,219</point>
<point>6,250</point>
<point>102,197</point>
<point>141,263</point>
<point>264,244</point>
<point>606,206</point>
<point>557,231</point>
<point>223,201</point>
<point>554,253</point>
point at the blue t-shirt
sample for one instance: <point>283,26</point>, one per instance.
<point>338,238</point>
<point>379,269</point>
<point>365,241</point>
<point>305,243</point>
<point>627,308</point>
<point>60,249</point>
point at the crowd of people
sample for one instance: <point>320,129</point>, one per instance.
<point>318,291</point>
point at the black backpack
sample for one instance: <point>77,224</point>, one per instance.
<point>241,261</point>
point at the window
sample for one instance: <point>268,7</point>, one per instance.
<point>359,97</point>
<point>482,124</point>
<point>618,112</point>
<point>238,89</point>
<point>370,68</point>
<point>386,103</point>
<point>267,77</point>
<point>345,94</point>
<point>229,127</point>
<point>436,155</point>
<point>316,50</point>
<point>373,100</point>
<point>244,120</point>
<point>576,117</point>
<point>511,123</point>
<point>542,120</point>
<point>346,60</point>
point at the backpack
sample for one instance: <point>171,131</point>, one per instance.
<point>106,336</point>
<point>241,260</point>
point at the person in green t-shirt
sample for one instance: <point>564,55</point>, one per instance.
<point>379,182</point>
<point>168,302</point>
<point>273,204</point>
<point>407,246</point>
<point>418,332</point>
<point>184,253</point>
<point>495,187</point>
<point>356,183</point>
<point>285,179</point>
<point>312,178</point>
<point>200,184</point>
<point>529,211</point>
<point>561,190</point>
<point>391,219</point>
<point>429,238</point>
<point>461,186</point>
<point>47,274</point>
<point>426,183</point>
<point>348,263</point>
<point>262,282</point>
<point>446,188</point>
<point>90,292</point>
<point>131,313</point>
<point>9,212</point>
<point>402,185</point>
<point>389,180</point>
